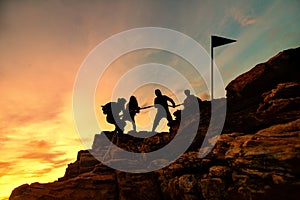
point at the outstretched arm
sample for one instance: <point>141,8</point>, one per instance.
<point>171,100</point>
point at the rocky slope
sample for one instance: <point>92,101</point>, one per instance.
<point>256,157</point>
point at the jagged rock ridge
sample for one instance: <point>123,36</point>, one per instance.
<point>256,157</point>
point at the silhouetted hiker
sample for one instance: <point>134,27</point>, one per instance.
<point>161,103</point>
<point>112,111</point>
<point>191,102</point>
<point>132,108</point>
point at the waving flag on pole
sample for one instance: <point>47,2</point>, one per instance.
<point>215,42</point>
<point>219,41</point>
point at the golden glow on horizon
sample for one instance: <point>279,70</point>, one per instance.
<point>36,151</point>
<point>43,43</point>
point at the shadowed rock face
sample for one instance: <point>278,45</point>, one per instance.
<point>266,95</point>
<point>256,157</point>
<point>263,77</point>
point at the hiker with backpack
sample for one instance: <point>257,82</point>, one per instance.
<point>113,112</point>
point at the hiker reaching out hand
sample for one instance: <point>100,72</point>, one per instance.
<point>161,103</point>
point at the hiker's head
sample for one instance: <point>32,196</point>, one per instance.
<point>132,98</point>
<point>158,93</point>
<point>187,92</point>
<point>121,101</point>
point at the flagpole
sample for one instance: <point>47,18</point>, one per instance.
<point>212,70</point>
<point>216,41</point>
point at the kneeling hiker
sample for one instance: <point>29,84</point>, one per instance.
<point>112,111</point>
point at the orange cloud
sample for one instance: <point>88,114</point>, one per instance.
<point>39,140</point>
<point>4,167</point>
<point>50,157</point>
<point>242,18</point>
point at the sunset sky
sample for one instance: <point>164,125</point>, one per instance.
<point>44,43</point>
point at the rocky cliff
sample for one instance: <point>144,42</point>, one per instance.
<point>256,157</point>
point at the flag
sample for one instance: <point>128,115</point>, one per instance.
<point>219,41</point>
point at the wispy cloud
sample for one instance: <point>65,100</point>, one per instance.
<point>241,17</point>
<point>260,41</point>
<point>4,167</point>
<point>49,157</point>
<point>37,148</point>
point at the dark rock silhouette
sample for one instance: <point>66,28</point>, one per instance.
<point>256,157</point>
<point>282,68</point>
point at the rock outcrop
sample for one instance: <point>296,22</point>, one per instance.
<point>256,157</point>
<point>263,77</point>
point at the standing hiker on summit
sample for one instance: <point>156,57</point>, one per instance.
<point>161,103</point>
<point>191,103</point>
<point>132,108</point>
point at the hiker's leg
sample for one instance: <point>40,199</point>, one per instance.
<point>156,122</point>
<point>120,132</point>
<point>170,119</point>
<point>120,127</point>
<point>116,128</point>
<point>134,126</point>
<point>169,116</point>
<point>133,123</point>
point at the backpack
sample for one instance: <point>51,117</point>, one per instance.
<point>107,108</point>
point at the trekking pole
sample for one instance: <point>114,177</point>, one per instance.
<point>146,107</point>
<point>176,105</point>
